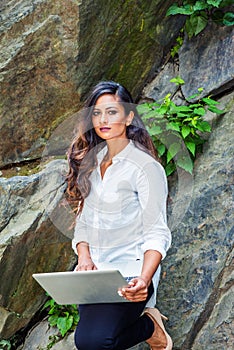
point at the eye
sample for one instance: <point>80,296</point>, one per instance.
<point>112,112</point>
<point>96,113</point>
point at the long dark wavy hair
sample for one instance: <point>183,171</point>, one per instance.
<point>82,154</point>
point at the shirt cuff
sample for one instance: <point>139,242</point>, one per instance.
<point>154,245</point>
<point>74,243</point>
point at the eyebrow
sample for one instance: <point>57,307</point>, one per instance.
<point>106,108</point>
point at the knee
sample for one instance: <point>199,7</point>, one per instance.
<point>91,341</point>
<point>81,341</point>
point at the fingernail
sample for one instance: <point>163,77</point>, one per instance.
<point>120,294</point>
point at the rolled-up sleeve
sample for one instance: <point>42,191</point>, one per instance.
<point>152,194</point>
<point>80,232</point>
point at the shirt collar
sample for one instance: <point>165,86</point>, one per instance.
<point>118,157</point>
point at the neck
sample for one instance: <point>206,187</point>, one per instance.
<point>115,146</point>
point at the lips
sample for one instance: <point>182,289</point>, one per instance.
<point>104,129</point>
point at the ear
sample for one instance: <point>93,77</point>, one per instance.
<point>129,118</point>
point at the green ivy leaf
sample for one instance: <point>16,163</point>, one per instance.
<point>148,129</point>
<point>200,111</point>
<point>198,23</point>
<point>161,150</point>
<point>189,28</point>
<point>155,130</point>
<point>170,168</point>
<point>173,126</point>
<point>173,122</point>
<point>5,344</point>
<point>161,110</point>
<point>215,110</point>
<point>76,318</point>
<point>195,105</point>
<point>225,3</point>
<point>200,5</point>
<point>53,320</point>
<point>49,303</point>
<point>167,100</point>
<point>194,122</point>
<point>183,109</point>
<point>185,131</point>
<point>228,19</point>
<point>53,310</point>
<point>174,9</point>
<point>191,147</point>
<point>193,96</point>
<point>62,316</point>
<point>203,126</point>
<point>64,324</point>
<point>150,115</point>
<point>177,80</point>
<point>143,108</point>
<point>214,3</point>
<point>209,101</point>
<point>172,151</point>
<point>182,115</point>
<point>186,163</point>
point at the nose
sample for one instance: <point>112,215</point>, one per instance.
<point>103,119</point>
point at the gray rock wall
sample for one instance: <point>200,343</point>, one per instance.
<point>197,285</point>
<point>50,56</point>
<point>215,44</point>
<point>205,61</point>
<point>38,50</point>
<point>52,52</point>
<point>197,289</point>
<point>30,242</point>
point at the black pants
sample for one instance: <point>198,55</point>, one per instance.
<point>117,326</point>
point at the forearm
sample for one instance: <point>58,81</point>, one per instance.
<point>85,261</point>
<point>83,249</point>
<point>138,286</point>
<point>152,259</point>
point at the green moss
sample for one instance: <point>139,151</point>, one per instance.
<point>124,46</point>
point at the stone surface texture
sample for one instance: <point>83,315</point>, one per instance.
<point>41,335</point>
<point>198,59</point>
<point>30,242</point>
<point>196,290</point>
<point>53,51</point>
<point>214,44</point>
<point>38,50</point>
<point>160,85</point>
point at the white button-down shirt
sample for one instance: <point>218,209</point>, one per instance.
<point>124,214</point>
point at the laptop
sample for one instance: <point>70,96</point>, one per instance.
<point>83,287</point>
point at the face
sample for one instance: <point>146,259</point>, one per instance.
<point>109,118</point>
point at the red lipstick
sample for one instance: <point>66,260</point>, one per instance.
<point>104,128</point>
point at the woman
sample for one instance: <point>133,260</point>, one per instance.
<point>121,192</point>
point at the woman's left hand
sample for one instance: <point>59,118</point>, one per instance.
<point>137,290</point>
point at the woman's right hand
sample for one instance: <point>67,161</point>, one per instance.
<point>85,264</point>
